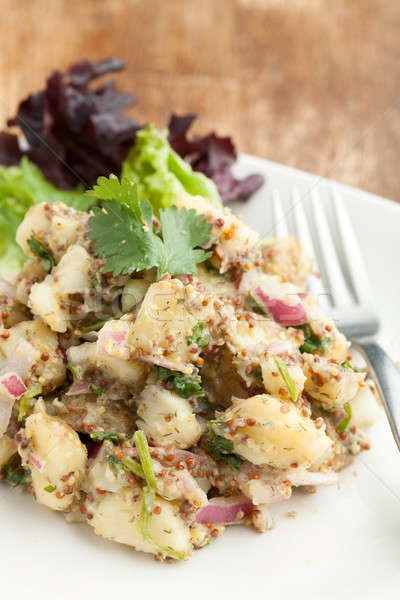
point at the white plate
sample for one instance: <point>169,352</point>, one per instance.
<point>343,543</point>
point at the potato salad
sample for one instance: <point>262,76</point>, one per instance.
<point>164,372</point>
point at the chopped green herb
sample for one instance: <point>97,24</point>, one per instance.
<point>25,402</point>
<point>347,365</point>
<point>184,385</point>
<point>113,462</point>
<point>313,343</point>
<point>74,372</point>
<point>254,306</point>
<point>222,448</point>
<point>97,284</point>
<point>95,389</point>
<point>123,235</point>
<point>199,336</point>
<point>15,475</point>
<point>345,423</point>
<point>100,436</point>
<point>283,370</point>
<point>257,372</point>
<point>180,300</point>
<point>42,252</point>
<point>49,488</point>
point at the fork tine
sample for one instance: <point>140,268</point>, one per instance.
<point>354,259</point>
<point>315,284</point>
<point>280,221</point>
<point>338,288</point>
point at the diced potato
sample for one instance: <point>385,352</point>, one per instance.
<point>117,517</point>
<point>273,380</point>
<point>365,410</point>
<point>32,341</point>
<point>324,326</point>
<point>56,225</point>
<point>287,257</point>
<point>51,299</point>
<point>167,418</point>
<point>7,450</point>
<point>167,316</point>
<point>85,357</point>
<point>279,436</point>
<point>330,383</point>
<point>232,239</point>
<point>55,456</point>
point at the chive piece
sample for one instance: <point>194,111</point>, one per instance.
<point>345,423</point>
<point>95,389</point>
<point>133,466</point>
<point>74,372</point>
<point>142,446</point>
<point>100,436</point>
<point>49,488</point>
<point>347,365</point>
<point>147,510</point>
<point>283,370</point>
<point>99,325</point>
<point>25,401</point>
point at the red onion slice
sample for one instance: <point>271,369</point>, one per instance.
<point>282,311</point>
<point>225,510</point>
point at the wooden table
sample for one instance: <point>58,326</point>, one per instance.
<point>309,83</point>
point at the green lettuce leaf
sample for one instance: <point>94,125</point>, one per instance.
<point>161,173</point>
<point>20,188</point>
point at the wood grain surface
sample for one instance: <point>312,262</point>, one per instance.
<point>309,83</point>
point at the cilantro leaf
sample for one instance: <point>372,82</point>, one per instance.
<point>222,448</point>
<point>182,231</point>
<point>122,240</point>
<point>199,335</point>
<point>184,385</point>
<point>123,236</point>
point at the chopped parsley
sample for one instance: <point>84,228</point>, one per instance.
<point>284,373</point>
<point>184,385</point>
<point>100,436</point>
<point>15,475</point>
<point>199,336</point>
<point>345,422</point>
<point>39,250</point>
<point>123,235</point>
<point>347,365</point>
<point>222,448</point>
<point>95,389</point>
<point>254,306</point>
<point>113,462</point>
<point>49,488</point>
<point>313,343</point>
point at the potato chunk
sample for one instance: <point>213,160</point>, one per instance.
<point>330,383</point>
<point>50,299</point>
<point>86,357</point>
<point>56,225</point>
<point>167,418</point>
<point>55,456</point>
<point>166,318</point>
<point>364,408</point>
<point>266,431</point>
<point>117,516</point>
<point>232,239</point>
<point>32,343</point>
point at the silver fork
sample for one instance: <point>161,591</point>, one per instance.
<point>349,300</point>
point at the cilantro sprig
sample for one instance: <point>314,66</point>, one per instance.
<point>123,234</point>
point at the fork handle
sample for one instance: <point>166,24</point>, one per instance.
<point>387,376</point>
